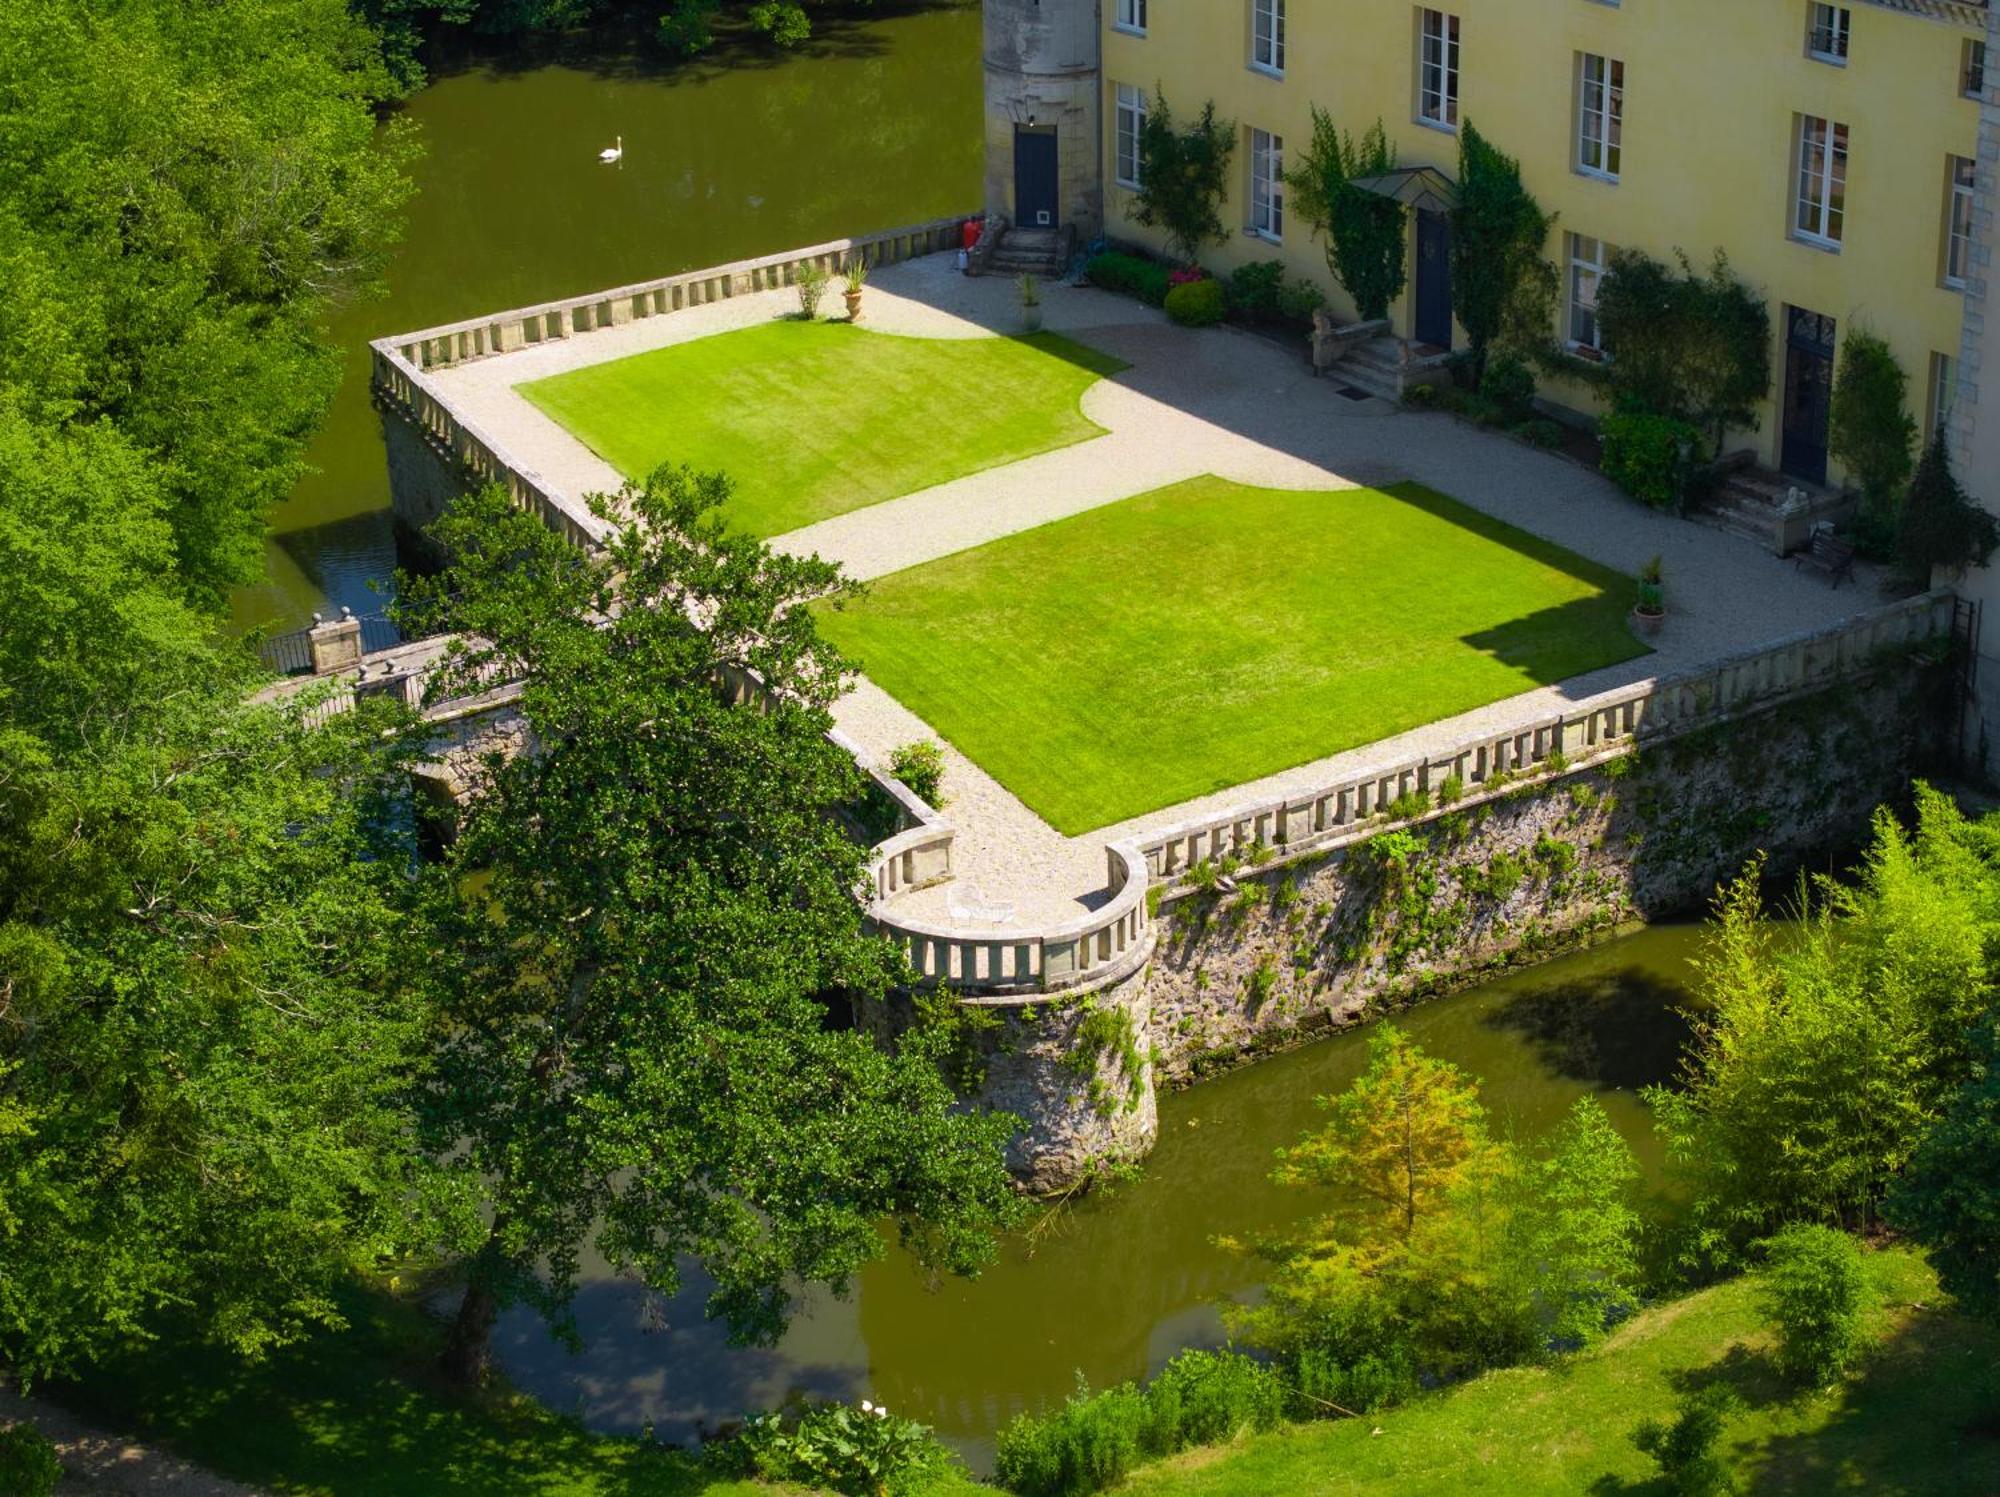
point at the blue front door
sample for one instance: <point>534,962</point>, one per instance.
<point>1433,278</point>
<point>1034,178</point>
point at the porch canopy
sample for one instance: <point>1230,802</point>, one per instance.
<point>1424,188</point>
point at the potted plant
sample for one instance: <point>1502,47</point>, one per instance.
<point>857,272</point>
<point>1031,304</point>
<point>1649,611</point>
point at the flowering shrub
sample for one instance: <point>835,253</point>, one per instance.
<point>863,1450</point>
<point>1186,276</point>
<point>1196,303</point>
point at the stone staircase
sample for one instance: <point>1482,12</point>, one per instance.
<point>1036,252</point>
<point>1776,512</point>
<point>1385,367</point>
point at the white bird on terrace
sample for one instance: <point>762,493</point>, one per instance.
<point>613,152</point>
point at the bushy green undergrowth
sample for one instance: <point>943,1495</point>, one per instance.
<point>1197,303</point>
<point>1094,1439</point>
<point>858,1450</point>
<point>1134,275</point>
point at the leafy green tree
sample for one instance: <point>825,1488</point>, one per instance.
<point>188,188</point>
<point>1869,429</point>
<point>1365,233</point>
<point>1949,1197</point>
<point>1184,174</point>
<point>1573,1235</point>
<point>1690,1465</point>
<point>1396,1142</point>
<point>206,1042</point>
<point>1694,347</point>
<point>1497,234</point>
<point>1942,527</point>
<point>1812,1291</point>
<point>1825,1056</point>
<point>644,926</point>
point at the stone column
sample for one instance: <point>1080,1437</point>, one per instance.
<point>335,645</point>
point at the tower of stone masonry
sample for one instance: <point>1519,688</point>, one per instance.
<point>1044,101</point>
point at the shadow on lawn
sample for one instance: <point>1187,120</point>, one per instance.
<point>360,1412</point>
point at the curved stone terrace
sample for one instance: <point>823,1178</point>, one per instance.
<point>1217,402</point>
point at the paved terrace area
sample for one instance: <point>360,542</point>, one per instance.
<point>1218,401</point>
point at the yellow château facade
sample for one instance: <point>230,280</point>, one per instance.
<point>1829,150</point>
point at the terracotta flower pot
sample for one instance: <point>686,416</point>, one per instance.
<point>853,305</point>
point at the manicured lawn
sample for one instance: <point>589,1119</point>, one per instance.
<point>1205,634</point>
<point>815,419</point>
<point>1907,1423</point>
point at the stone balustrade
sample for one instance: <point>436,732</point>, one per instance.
<point>1000,963</point>
<point>402,363</point>
<point>1597,728</point>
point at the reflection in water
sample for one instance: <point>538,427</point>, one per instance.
<point>1114,1285</point>
<point>876,124</point>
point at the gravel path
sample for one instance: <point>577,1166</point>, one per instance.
<point>1219,401</point>
<point>106,1464</point>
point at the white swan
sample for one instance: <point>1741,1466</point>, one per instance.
<point>613,152</point>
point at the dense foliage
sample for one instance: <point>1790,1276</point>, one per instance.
<point>1185,175</point>
<point>1197,303</point>
<point>1088,1443</point>
<point>1366,236</point>
<point>205,1033</point>
<point>1826,1056</point>
<point>1497,234</point>
<point>188,187</point>
<point>635,1049</point>
<point>1685,1448</point>
<point>681,27</point>
<point>1691,346</point>
<point>861,1450</point>
<point>1868,428</point>
<point>1648,456</point>
<point>1941,526</point>
<point>1134,275</point>
<point>1811,1292</point>
<point>1949,1197</point>
<point>1445,1251</point>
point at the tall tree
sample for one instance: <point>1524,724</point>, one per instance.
<point>1366,234</point>
<point>1497,234</point>
<point>646,925</point>
<point>1573,1235</point>
<point>1869,429</point>
<point>1949,1197</point>
<point>205,1039</point>
<point>188,188</point>
<point>1825,1055</point>
<point>1184,174</point>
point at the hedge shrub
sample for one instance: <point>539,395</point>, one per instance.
<point>1812,1292</point>
<point>1646,456</point>
<point>1196,304</point>
<point>1134,275</point>
<point>28,1464</point>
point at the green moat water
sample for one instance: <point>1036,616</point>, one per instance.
<point>1113,1285</point>
<point>873,125</point>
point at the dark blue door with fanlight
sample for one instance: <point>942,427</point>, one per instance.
<point>1034,178</point>
<point>1433,279</point>
<point>1808,393</point>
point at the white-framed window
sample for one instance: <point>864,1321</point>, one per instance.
<point>1959,180</point>
<point>1267,35</point>
<point>1826,33</point>
<point>1600,115</point>
<point>1943,390</point>
<point>1437,68</point>
<point>1972,70</point>
<point>1267,185</point>
<point>1130,16</point>
<point>1588,260</point>
<point>1130,116</point>
<point>1821,211</point>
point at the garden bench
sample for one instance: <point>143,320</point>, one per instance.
<point>1827,553</point>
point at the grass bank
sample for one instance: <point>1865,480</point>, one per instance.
<point>1908,1422</point>
<point>814,419</point>
<point>1208,633</point>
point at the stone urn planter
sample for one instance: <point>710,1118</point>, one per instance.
<point>1031,305</point>
<point>853,300</point>
<point>1649,611</point>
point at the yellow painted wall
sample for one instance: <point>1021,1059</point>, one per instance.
<point>1711,91</point>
